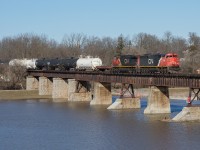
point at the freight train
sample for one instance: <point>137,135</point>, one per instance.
<point>148,63</point>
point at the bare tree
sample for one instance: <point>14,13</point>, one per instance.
<point>194,40</point>
<point>14,77</point>
<point>146,43</point>
<point>167,41</point>
<point>74,43</point>
<point>179,45</point>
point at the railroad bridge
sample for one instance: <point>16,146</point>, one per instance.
<point>96,87</point>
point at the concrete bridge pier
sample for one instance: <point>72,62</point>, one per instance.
<point>60,90</point>
<point>45,86</point>
<point>158,101</point>
<point>32,83</point>
<point>125,103</point>
<point>79,90</point>
<point>190,113</point>
<point>102,94</point>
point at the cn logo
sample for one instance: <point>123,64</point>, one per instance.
<point>150,61</point>
<point>126,61</point>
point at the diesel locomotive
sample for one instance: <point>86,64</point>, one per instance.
<point>164,63</point>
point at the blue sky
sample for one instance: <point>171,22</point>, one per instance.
<point>55,18</point>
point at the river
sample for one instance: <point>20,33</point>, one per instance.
<point>43,125</point>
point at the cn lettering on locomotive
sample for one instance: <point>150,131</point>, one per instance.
<point>150,61</point>
<point>128,60</point>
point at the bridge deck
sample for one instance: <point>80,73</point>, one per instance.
<point>170,80</point>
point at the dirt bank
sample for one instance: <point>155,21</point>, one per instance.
<point>21,94</point>
<point>174,93</point>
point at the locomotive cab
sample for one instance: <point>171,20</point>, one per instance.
<point>116,61</point>
<point>171,61</point>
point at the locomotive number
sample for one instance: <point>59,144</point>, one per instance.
<point>150,61</point>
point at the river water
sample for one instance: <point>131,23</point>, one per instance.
<point>43,125</point>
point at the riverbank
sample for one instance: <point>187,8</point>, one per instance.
<point>174,93</point>
<point>21,94</point>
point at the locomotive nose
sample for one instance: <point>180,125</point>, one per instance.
<point>175,62</point>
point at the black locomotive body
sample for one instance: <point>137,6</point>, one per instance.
<point>128,60</point>
<point>149,59</point>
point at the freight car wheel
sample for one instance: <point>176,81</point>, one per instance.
<point>61,68</point>
<point>163,70</point>
<point>138,70</point>
<point>44,68</point>
<point>114,70</point>
<point>57,69</point>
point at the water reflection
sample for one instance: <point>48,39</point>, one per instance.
<point>157,117</point>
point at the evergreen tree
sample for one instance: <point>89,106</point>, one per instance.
<point>120,45</point>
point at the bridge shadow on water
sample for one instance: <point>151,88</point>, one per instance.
<point>176,107</point>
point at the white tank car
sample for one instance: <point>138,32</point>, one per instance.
<point>27,63</point>
<point>88,63</point>
<point>30,63</point>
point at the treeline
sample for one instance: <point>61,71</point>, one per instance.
<point>40,46</point>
